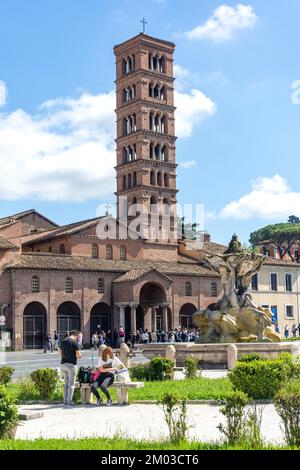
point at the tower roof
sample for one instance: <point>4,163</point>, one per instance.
<point>143,37</point>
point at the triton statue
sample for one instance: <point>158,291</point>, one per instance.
<point>235,318</point>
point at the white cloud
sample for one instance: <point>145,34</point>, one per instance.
<point>3,94</point>
<point>188,164</point>
<point>192,109</point>
<point>66,151</point>
<point>270,198</point>
<point>224,22</point>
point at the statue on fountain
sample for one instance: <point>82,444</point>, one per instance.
<point>235,318</point>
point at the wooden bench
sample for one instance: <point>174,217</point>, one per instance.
<point>122,391</point>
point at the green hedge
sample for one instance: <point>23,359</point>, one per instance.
<point>159,368</point>
<point>260,379</point>
<point>6,374</point>
<point>9,416</point>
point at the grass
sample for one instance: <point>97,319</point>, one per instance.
<point>118,443</point>
<point>189,389</point>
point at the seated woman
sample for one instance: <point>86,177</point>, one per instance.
<point>108,365</point>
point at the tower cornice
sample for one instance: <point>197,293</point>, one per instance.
<point>147,103</point>
<point>147,134</point>
<point>147,73</point>
<point>147,162</point>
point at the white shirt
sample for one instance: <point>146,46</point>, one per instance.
<point>113,363</point>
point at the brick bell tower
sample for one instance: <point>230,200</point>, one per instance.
<point>146,164</point>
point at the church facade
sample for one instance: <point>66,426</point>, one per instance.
<point>58,278</point>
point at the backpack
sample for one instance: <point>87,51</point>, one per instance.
<point>84,375</point>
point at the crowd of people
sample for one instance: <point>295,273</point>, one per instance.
<point>117,337</point>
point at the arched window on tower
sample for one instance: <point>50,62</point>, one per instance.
<point>69,285</point>
<point>164,128</point>
<point>134,182</point>
<point>159,179</point>
<point>151,150</point>
<point>166,180</point>
<point>152,178</point>
<point>124,182</point>
<point>163,93</point>
<point>123,253</point>
<point>109,252</point>
<point>95,251</point>
<point>129,181</point>
<point>164,155</point>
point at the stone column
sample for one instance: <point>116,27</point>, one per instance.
<point>147,319</point>
<point>154,326</point>
<point>133,319</point>
<point>122,316</point>
<point>231,356</point>
<point>165,319</point>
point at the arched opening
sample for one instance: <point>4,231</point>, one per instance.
<point>129,181</point>
<point>163,94</point>
<point>100,318</point>
<point>124,182</point>
<point>34,326</point>
<point>134,182</point>
<point>166,180</point>
<point>164,154</point>
<point>164,127</point>
<point>152,294</point>
<point>186,315</point>
<point>152,179</point>
<point>159,179</point>
<point>68,319</point>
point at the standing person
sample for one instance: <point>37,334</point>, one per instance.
<point>121,336</point>
<point>70,352</point>
<point>154,337</point>
<point>56,341</point>
<point>48,344</point>
<point>277,330</point>
<point>108,365</point>
<point>286,331</point>
<point>115,338</point>
<point>145,337</point>
<point>95,340</point>
<point>109,338</point>
<point>294,330</point>
<point>80,337</point>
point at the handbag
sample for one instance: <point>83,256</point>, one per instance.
<point>122,376</point>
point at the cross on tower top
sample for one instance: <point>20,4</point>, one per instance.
<point>144,24</point>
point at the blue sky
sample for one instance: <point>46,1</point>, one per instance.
<point>238,150</point>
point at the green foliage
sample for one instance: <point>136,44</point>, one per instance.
<point>293,219</point>
<point>46,382</point>
<point>191,367</point>
<point>259,379</point>
<point>6,374</point>
<point>250,357</point>
<point>234,413</point>
<point>287,403</point>
<point>159,368</point>
<point>9,416</point>
<point>175,416</point>
<point>252,428</point>
<point>121,443</point>
<point>283,236</point>
<point>27,389</point>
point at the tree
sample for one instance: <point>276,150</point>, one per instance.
<point>293,219</point>
<point>283,236</point>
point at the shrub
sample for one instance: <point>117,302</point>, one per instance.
<point>9,416</point>
<point>46,382</point>
<point>259,379</point>
<point>191,367</point>
<point>234,413</point>
<point>175,416</point>
<point>6,374</point>
<point>252,428</point>
<point>160,368</point>
<point>287,403</point>
<point>139,372</point>
<point>250,357</point>
<point>27,389</point>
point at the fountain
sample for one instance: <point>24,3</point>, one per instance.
<point>235,318</point>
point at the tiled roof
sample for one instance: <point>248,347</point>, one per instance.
<point>40,261</point>
<point>6,244</point>
<point>281,262</point>
<point>137,273</point>
<point>210,247</point>
<point>65,230</point>
<point>12,218</point>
